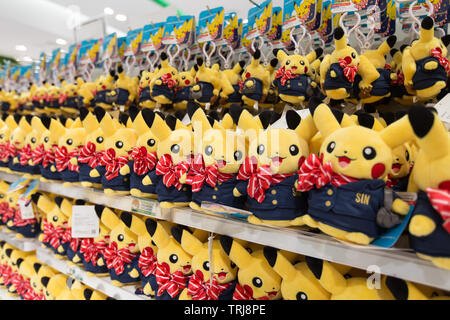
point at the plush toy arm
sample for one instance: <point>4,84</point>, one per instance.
<point>368,72</point>
<point>16,160</point>
<point>134,273</point>
<point>100,262</point>
<point>400,207</point>
<point>124,170</point>
<point>74,161</point>
<point>30,162</point>
<point>60,249</point>
<point>94,173</point>
<point>421,226</point>
<point>408,66</point>
<point>146,181</point>
<point>240,189</point>
<point>324,66</point>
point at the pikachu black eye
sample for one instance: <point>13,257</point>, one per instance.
<point>353,55</point>
<point>183,77</point>
<point>55,218</point>
<point>257,282</point>
<point>33,140</point>
<point>1,196</point>
<point>119,144</point>
<point>46,139</point>
<point>302,63</point>
<point>151,142</point>
<point>147,78</point>
<point>288,62</point>
<point>206,265</point>
<point>1,136</point>
<point>99,139</point>
<point>69,142</point>
<point>261,149</point>
<point>369,153</point>
<point>237,155</point>
<point>407,155</point>
<point>232,265</point>
<point>173,258</point>
<point>175,148</point>
<point>301,296</point>
<point>331,146</point>
<point>209,150</point>
<point>120,237</point>
<point>293,149</point>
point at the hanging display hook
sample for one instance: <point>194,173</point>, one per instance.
<point>186,58</point>
<point>210,54</point>
<point>172,56</point>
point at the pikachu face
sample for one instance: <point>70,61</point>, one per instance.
<point>143,126</point>
<point>5,131</point>
<point>255,69</point>
<point>146,78</point>
<point>94,132</point>
<point>35,136</point>
<point>254,272</point>
<point>19,134</point>
<point>186,78</point>
<point>50,137</point>
<point>70,91</point>
<point>74,137</point>
<point>52,209</point>
<point>169,250</point>
<point>222,267</point>
<point>176,140</point>
<point>53,93</point>
<point>295,63</point>
<point>401,161</point>
<point>104,83</point>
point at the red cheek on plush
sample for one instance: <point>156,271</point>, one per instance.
<point>300,161</point>
<point>378,170</point>
<point>187,82</point>
<point>247,75</point>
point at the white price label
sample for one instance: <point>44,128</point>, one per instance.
<point>443,108</point>
<point>26,211</point>
<point>144,206</point>
<point>85,222</point>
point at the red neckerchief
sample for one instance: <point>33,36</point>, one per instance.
<point>19,222</point>
<point>52,234</point>
<point>10,151</point>
<point>6,275</point>
<point>198,289</point>
<point>112,163</point>
<point>10,276</point>
<point>391,182</point>
<point>62,159</point>
<point>171,173</point>
<point>2,149</point>
<point>143,161</point>
<point>285,75</point>
<point>40,155</point>
<point>89,155</point>
<point>147,262</point>
<point>440,200</point>
<point>168,80</point>
<point>387,66</point>
<point>2,268</point>
<point>313,173</point>
<point>67,237</point>
<point>259,178</point>
<point>198,174</point>
<point>25,155</point>
<point>21,284</point>
<point>173,283</point>
<point>400,79</point>
<point>9,214</point>
<point>3,208</point>
<point>91,249</point>
<point>245,293</point>
<point>30,294</point>
<point>443,61</point>
<point>116,258</point>
<point>349,71</point>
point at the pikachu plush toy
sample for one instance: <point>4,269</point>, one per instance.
<point>268,173</point>
<point>185,82</point>
<point>425,64</point>
<point>292,79</point>
<point>353,169</point>
<point>18,143</point>
<point>338,70</point>
<point>125,90</point>
<point>8,150</point>
<point>144,97</point>
<point>164,82</point>
<point>213,171</point>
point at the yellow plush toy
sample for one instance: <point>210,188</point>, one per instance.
<point>69,99</point>
<point>18,142</point>
<point>125,90</point>
<point>7,150</point>
<point>145,99</point>
<point>164,83</point>
<point>233,75</point>
<point>185,82</point>
<point>339,69</point>
<point>425,64</point>
<point>347,179</point>
<point>103,87</point>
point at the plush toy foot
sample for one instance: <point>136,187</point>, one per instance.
<point>117,283</point>
<point>337,94</point>
<point>136,192</point>
<point>310,222</point>
<point>443,263</point>
<point>195,206</point>
<point>59,257</point>
<point>20,236</point>
<point>70,263</point>
<point>86,184</point>
<point>336,233</point>
<point>11,294</point>
<point>297,222</point>
<point>421,226</point>
<point>114,192</point>
<point>359,238</point>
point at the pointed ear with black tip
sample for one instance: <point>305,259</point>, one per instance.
<point>319,52</point>
<point>177,233</point>
<point>191,108</point>
<point>126,218</point>
<point>99,210</point>
<point>28,118</point>
<point>17,118</point>
<point>83,113</point>
<point>215,115</point>
<point>388,117</point>
<point>171,121</point>
<point>273,62</point>
<point>119,68</point>
<point>37,267</point>
<point>133,111</point>
<point>293,119</point>
<point>398,288</point>
<point>87,293</point>
<point>313,103</point>
<point>242,63</point>
<point>80,202</point>
<point>391,41</point>
<point>393,52</point>
<point>403,47</point>
<point>265,117</point>
<point>35,197</point>
<point>8,252</point>
<point>151,226</point>
<point>235,112</point>
<point>58,201</point>
<point>446,40</point>
<point>123,118</point>
<point>180,115</point>
<point>46,121</point>
<point>19,262</point>
<point>366,120</point>
<point>257,54</point>
<point>199,61</point>
<point>44,281</point>
<point>99,113</point>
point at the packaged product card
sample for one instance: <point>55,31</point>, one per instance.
<point>152,37</point>
<point>259,20</point>
<point>133,42</point>
<point>210,25</point>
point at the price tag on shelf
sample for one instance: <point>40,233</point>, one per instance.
<point>85,222</point>
<point>147,207</point>
<point>443,109</point>
<point>26,211</point>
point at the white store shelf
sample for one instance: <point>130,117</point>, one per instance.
<point>401,263</point>
<point>102,284</point>
<point>22,244</point>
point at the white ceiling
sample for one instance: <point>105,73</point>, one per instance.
<point>37,24</point>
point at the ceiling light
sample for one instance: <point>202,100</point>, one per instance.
<point>121,17</point>
<point>21,48</point>
<point>61,42</point>
<point>108,11</point>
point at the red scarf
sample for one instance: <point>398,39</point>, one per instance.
<point>22,285</point>
<point>440,200</point>
<point>62,159</point>
<point>171,173</point>
<point>52,234</point>
<point>19,222</point>
<point>67,237</point>
<point>313,173</point>
<point>2,149</point>
<point>10,277</point>
<point>173,283</point>
<point>40,155</point>
<point>200,290</point>
<point>10,151</point>
<point>168,80</point>
<point>349,71</point>
<point>147,262</point>
<point>400,79</point>
<point>4,206</point>
<point>259,178</point>
<point>9,214</point>
<point>7,275</point>
<point>391,182</point>
<point>285,75</point>
<point>112,163</point>
<point>143,161</point>
<point>91,249</point>
<point>245,293</point>
<point>89,155</point>
<point>198,174</point>
<point>443,61</point>
<point>25,155</point>
<point>116,258</point>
